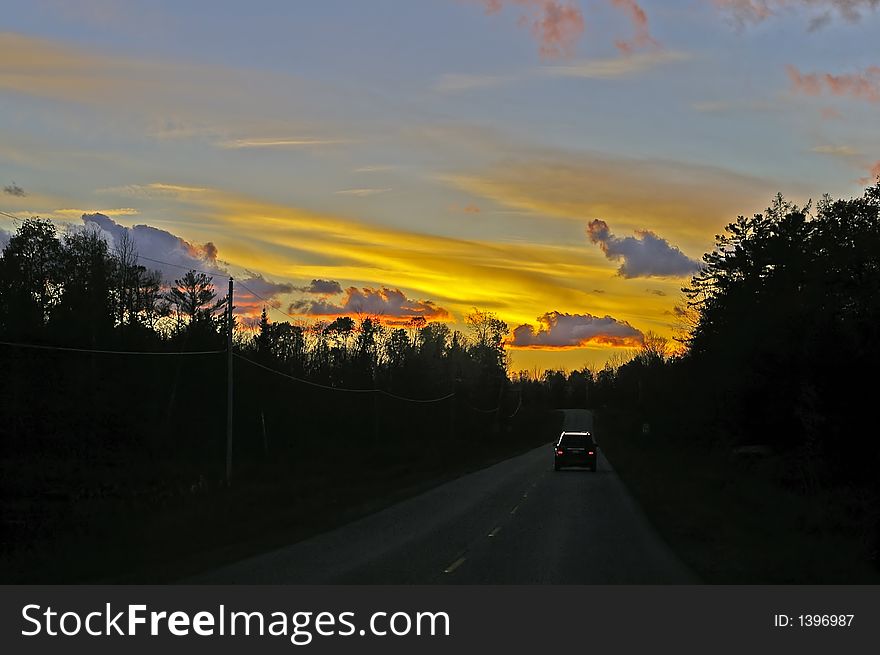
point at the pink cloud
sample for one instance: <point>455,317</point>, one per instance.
<point>755,11</point>
<point>556,25</point>
<point>861,86</point>
<point>873,175</point>
<point>642,37</point>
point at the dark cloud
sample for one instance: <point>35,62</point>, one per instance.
<point>644,255</point>
<point>254,292</point>
<point>390,304</point>
<point>656,292</point>
<point>556,330</point>
<point>322,288</point>
<point>677,311</point>
<point>14,190</point>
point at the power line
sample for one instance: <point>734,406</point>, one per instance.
<point>238,283</point>
<point>344,389</point>
<point>301,380</point>
<point>265,300</point>
<point>108,352</point>
<point>181,266</point>
<point>416,400</point>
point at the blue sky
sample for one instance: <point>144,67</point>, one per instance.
<point>429,147</point>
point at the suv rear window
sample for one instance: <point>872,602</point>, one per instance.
<point>576,441</point>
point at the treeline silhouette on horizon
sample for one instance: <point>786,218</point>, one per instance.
<point>138,432</point>
<point>781,351</point>
<point>779,341</point>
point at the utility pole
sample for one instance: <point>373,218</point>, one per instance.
<point>229,386</point>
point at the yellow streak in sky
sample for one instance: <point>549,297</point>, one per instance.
<point>519,281</point>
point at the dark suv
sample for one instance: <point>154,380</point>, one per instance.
<point>575,449</point>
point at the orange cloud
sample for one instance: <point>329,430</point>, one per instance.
<point>860,86</point>
<point>557,26</point>
<point>560,331</point>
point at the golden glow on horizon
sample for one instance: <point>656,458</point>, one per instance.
<point>519,281</point>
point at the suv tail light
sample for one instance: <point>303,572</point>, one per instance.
<point>559,451</point>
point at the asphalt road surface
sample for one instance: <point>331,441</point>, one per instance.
<point>517,522</point>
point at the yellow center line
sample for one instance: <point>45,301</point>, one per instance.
<point>454,565</point>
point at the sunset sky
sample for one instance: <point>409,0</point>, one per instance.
<point>561,163</point>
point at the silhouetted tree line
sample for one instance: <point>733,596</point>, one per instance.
<point>147,429</point>
<point>780,348</point>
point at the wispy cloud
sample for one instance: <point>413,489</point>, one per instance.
<point>756,11</point>
<point>168,99</point>
<point>76,213</point>
<point>607,68</point>
<point>292,243</point>
<point>860,86</point>
<point>725,106</point>
<point>616,67</point>
<point>458,82</point>
<point>153,190</point>
<point>686,200</point>
<point>375,168</point>
<point>280,143</point>
<point>362,193</point>
<point>836,151</point>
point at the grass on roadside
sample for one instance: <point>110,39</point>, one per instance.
<point>733,521</point>
<point>115,540</point>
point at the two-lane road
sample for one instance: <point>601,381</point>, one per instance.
<point>517,522</point>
